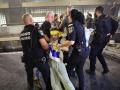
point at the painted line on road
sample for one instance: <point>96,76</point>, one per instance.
<point>6,53</point>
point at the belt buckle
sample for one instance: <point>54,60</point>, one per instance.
<point>44,59</point>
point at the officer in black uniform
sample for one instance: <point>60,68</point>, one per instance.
<point>100,40</point>
<point>76,39</point>
<point>47,24</point>
<point>34,51</point>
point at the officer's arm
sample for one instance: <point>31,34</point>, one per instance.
<point>64,48</point>
<point>42,40</point>
<point>67,44</point>
<point>45,29</point>
<point>47,39</point>
<point>43,43</point>
<point>71,37</point>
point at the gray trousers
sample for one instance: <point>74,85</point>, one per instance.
<point>59,74</point>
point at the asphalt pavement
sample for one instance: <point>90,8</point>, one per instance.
<point>13,76</point>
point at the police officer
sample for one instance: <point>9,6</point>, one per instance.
<point>76,39</point>
<point>100,39</point>
<point>34,51</point>
<point>47,25</point>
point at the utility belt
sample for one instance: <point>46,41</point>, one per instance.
<point>78,48</point>
<point>31,59</point>
<point>74,49</point>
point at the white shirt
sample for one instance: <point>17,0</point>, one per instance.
<point>87,35</point>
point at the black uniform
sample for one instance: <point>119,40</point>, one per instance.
<point>33,54</point>
<point>100,39</point>
<point>46,26</point>
<point>78,56</point>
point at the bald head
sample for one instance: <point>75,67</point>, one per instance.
<point>27,19</point>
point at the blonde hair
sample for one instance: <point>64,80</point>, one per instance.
<point>49,13</point>
<point>25,16</point>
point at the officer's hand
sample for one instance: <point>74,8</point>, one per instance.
<point>59,45</point>
<point>65,49</point>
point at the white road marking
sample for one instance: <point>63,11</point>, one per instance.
<point>6,53</point>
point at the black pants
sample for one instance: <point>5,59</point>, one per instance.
<point>43,68</point>
<point>77,61</point>
<point>96,51</point>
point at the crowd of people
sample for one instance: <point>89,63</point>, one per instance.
<point>60,46</point>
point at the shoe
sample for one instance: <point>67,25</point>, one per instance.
<point>105,72</point>
<point>90,72</point>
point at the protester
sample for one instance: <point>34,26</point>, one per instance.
<point>57,68</point>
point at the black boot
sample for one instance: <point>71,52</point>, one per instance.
<point>105,71</point>
<point>90,72</point>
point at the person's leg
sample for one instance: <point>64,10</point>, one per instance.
<point>87,52</point>
<point>55,81</point>
<point>65,57</point>
<point>62,74</point>
<point>92,57</point>
<point>79,71</point>
<point>71,66</point>
<point>45,70</point>
<point>102,59</point>
<point>29,70</point>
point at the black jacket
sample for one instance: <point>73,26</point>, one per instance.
<point>102,29</point>
<point>30,42</point>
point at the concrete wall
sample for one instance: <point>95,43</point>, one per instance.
<point>10,30</point>
<point>9,38</point>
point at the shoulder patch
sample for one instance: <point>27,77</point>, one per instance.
<point>70,29</point>
<point>70,25</point>
<point>41,32</point>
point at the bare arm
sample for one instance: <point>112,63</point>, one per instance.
<point>43,43</point>
<point>47,39</point>
<point>64,48</point>
<point>67,44</point>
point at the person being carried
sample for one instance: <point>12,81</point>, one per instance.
<point>58,71</point>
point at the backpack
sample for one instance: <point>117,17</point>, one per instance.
<point>111,25</point>
<point>114,25</point>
